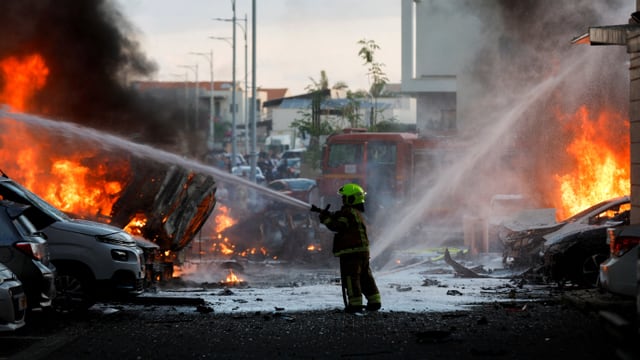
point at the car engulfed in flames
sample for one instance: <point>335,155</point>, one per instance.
<point>97,176</point>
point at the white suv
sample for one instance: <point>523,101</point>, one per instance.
<point>93,260</point>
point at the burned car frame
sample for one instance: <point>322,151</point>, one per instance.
<point>571,250</point>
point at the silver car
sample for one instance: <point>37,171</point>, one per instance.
<point>618,274</point>
<point>25,251</point>
<point>13,301</point>
<point>93,260</point>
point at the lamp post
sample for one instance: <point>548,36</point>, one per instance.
<point>186,98</point>
<point>211,140</point>
<point>253,90</point>
<point>246,77</point>
<point>194,68</point>
<point>233,95</point>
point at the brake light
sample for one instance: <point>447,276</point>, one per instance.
<point>619,245</point>
<point>36,251</point>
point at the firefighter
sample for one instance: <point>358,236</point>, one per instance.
<point>351,245</point>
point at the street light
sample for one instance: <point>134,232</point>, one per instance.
<point>209,57</point>
<point>234,150</point>
<point>246,76</point>
<point>194,68</point>
<point>186,98</point>
<point>253,90</point>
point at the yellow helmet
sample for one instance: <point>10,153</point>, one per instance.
<point>352,194</point>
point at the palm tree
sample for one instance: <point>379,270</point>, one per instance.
<point>375,72</point>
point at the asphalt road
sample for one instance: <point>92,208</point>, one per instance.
<point>578,324</point>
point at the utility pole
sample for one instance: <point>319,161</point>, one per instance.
<point>211,137</point>
<point>246,90</point>
<point>233,96</point>
<point>246,80</point>
<point>246,71</point>
<point>193,68</point>
<point>253,91</point>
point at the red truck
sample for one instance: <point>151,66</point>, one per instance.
<point>388,165</point>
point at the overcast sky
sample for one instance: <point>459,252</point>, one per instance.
<point>296,39</point>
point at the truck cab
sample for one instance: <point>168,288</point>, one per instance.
<point>386,165</point>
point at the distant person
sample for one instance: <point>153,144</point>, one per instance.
<point>351,245</point>
<point>266,166</point>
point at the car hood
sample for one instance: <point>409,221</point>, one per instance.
<point>86,227</point>
<point>532,219</point>
<point>573,228</point>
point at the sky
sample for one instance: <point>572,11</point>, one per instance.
<point>295,39</point>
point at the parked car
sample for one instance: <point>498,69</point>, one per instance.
<point>302,189</point>
<point>619,273</point>
<point>293,153</point>
<point>288,168</point>
<point>13,301</point>
<point>245,170</point>
<point>571,250</point>
<point>92,260</point>
<point>26,253</point>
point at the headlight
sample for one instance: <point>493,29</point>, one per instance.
<point>119,255</point>
<point>117,238</point>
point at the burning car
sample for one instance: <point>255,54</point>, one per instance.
<point>570,250</point>
<point>277,231</point>
<point>522,247</point>
<point>91,259</point>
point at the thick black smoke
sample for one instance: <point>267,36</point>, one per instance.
<point>529,41</point>
<point>90,51</point>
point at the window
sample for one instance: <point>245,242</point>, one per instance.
<point>343,154</point>
<point>381,153</point>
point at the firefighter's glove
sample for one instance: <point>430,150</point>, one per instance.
<point>315,209</point>
<point>324,215</point>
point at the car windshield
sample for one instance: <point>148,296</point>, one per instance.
<point>300,185</point>
<point>607,211</point>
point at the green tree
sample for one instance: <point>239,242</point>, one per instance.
<point>310,121</point>
<point>377,76</point>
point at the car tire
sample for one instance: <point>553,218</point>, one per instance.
<point>584,262</point>
<point>74,289</point>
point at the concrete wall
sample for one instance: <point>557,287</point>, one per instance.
<point>633,48</point>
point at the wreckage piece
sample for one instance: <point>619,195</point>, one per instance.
<point>459,268</point>
<point>281,231</point>
<point>174,201</point>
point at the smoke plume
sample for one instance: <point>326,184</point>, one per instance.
<point>91,52</point>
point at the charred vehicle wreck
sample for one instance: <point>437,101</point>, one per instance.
<point>569,251</point>
<point>563,253</point>
<point>167,205</point>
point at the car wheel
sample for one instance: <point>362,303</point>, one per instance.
<point>74,290</point>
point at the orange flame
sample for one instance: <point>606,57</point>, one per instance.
<point>314,247</point>
<point>22,78</point>
<point>38,160</point>
<point>232,278</point>
<point>223,220</point>
<point>602,161</point>
<point>134,227</point>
